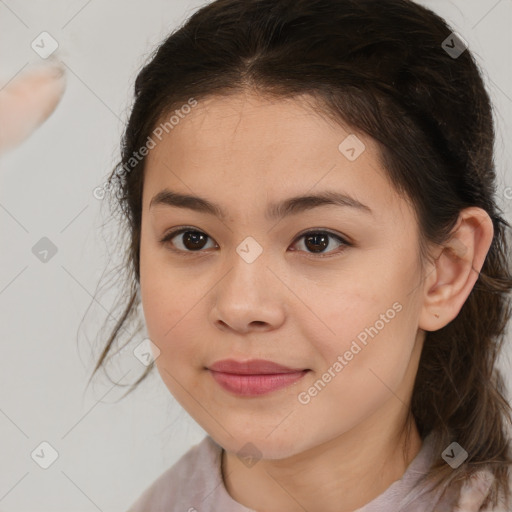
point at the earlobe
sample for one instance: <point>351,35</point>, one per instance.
<point>456,269</point>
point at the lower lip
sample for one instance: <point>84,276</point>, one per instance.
<point>250,385</point>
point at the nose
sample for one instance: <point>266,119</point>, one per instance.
<point>250,297</point>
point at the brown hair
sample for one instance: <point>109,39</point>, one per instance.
<point>381,67</point>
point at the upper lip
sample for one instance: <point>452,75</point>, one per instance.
<point>251,367</point>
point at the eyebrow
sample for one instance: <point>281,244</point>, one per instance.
<point>290,206</point>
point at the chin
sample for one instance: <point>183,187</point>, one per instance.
<point>259,445</point>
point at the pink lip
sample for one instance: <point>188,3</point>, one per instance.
<point>254,377</point>
<point>247,385</point>
<point>251,367</point>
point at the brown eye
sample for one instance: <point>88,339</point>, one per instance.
<point>191,240</point>
<point>318,241</point>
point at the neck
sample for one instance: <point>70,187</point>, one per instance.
<point>340,475</point>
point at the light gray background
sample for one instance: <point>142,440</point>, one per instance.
<point>110,452</point>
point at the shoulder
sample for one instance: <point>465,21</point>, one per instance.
<point>471,494</point>
<point>476,491</point>
<point>479,488</point>
<point>182,485</point>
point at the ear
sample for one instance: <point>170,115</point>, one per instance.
<point>455,270</point>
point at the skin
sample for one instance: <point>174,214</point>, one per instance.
<point>26,101</point>
<point>345,447</point>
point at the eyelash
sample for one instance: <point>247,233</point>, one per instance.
<point>164,241</point>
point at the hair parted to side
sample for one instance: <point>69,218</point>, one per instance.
<point>379,67</point>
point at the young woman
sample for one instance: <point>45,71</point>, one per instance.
<point>309,190</point>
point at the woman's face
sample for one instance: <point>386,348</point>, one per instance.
<point>252,285</point>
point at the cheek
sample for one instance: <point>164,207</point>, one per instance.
<point>367,332</point>
<point>170,312</point>
<point>168,326</point>
<point>166,316</point>
<point>162,294</point>
<point>363,365</point>
<point>362,332</point>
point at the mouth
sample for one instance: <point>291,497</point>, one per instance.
<point>258,384</point>
<point>252,367</point>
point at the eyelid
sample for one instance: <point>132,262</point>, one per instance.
<point>344,240</point>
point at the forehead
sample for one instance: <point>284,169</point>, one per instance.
<point>265,149</point>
